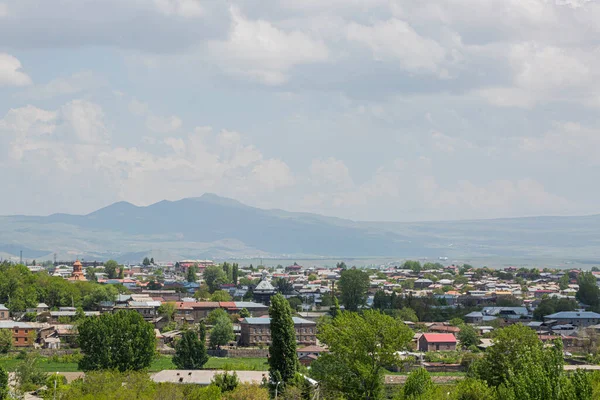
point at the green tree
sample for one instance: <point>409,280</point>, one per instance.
<point>110,268</point>
<point>227,382</point>
<point>90,274</point>
<point>152,261</point>
<point>467,336</point>
<point>146,262</point>
<point>122,341</point>
<point>4,388</point>
<point>381,301</point>
<point>283,360</point>
<point>6,340</point>
<point>244,313</point>
<point>221,332</point>
<point>353,285</point>
<point>235,274</point>
<point>472,389</point>
<point>191,273</point>
<point>406,314</point>
<point>220,295</point>
<point>190,351</point>
<point>202,293</point>
<point>360,347</point>
<point>283,286</point>
<point>418,385</point>
<point>335,308</point>
<point>167,310</point>
<point>215,315</point>
<point>563,282</point>
<point>214,277</point>
<point>414,266</point>
<point>589,292</point>
<point>553,305</point>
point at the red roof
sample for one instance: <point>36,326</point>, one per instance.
<point>227,304</point>
<point>439,337</point>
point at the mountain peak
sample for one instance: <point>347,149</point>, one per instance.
<point>216,199</point>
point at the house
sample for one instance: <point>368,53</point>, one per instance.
<point>475,317</point>
<point>437,342</point>
<point>306,355</point>
<point>4,313</point>
<point>423,283</point>
<point>263,292</point>
<point>580,319</point>
<point>24,333</point>
<point>507,312</point>
<point>257,331</point>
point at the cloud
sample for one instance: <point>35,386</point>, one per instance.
<point>570,139</point>
<point>397,40</point>
<point>330,171</point>
<point>163,124</point>
<point>181,8</point>
<point>259,50</point>
<point>10,72</point>
<point>65,86</point>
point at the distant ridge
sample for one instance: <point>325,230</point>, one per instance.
<point>214,226</point>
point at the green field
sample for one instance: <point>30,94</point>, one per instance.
<point>159,364</point>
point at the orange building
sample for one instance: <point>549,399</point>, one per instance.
<point>77,274</point>
<point>24,334</point>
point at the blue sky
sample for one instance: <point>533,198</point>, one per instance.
<point>370,110</point>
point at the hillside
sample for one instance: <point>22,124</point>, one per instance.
<point>216,227</point>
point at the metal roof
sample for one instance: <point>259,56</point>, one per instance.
<point>264,321</point>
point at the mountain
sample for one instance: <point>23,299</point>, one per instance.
<point>215,227</point>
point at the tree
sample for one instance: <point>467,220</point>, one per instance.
<point>215,315</point>
<point>220,295</point>
<point>473,389</point>
<point>467,336</point>
<point>563,282</point>
<point>353,285</point>
<point>283,360</point>
<point>121,272</point>
<point>235,273</point>
<point>190,351</point>
<point>90,274</point>
<point>589,292</point>
<point>4,388</point>
<point>6,340</point>
<point>214,277</point>
<point>283,286</point>
<point>244,313</point>
<point>406,314</point>
<point>202,293</point>
<point>381,301</point>
<point>146,262</point>
<point>226,382</point>
<point>414,266</point>
<point>418,385</point>
<point>247,392</point>
<point>167,310</point>
<point>152,261</point>
<point>360,347</point>
<point>121,341</point>
<point>335,308</point>
<point>553,305</point>
<point>110,268</point>
<point>221,332</point>
<point>191,273</point>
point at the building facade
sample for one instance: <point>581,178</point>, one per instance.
<point>257,331</point>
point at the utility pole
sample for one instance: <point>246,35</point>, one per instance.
<point>21,258</point>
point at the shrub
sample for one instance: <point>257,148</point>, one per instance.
<point>418,384</point>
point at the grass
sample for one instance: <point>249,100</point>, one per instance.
<point>159,364</point>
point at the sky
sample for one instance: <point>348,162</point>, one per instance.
<point>395,110</point>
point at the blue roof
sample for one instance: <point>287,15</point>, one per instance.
<point>573,315</point>
<point>263,321</point>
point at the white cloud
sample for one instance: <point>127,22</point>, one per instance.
<point>570,139</point>
<point>138,108</point>
<point>76,83</point>
<point>181,8</point>
<point>86,120</point>
<point>397,40</point>
<point>10,72</point>
<point>163,124</point>
<point>272,174</point>
<point>330,171</point>
<point>259,50</point>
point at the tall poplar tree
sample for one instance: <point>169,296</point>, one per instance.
<point>283,360</point>
<point>190,351</point>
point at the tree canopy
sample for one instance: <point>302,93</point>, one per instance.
<point>589,292</point>
<point>283,360</point>
<point>122,341</point>
<point>190,350</point>
<point>360,347</point>
<point>214,276</point>
<point>353,285</point>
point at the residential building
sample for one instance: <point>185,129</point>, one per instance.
<point>437,342</point>
<point>24,333</point>
<point>4,313</point>
<point>257,331</point>
<point>580,319</point>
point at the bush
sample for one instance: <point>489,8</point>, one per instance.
<point>226,382</point>
<point>445,357</point>
<point>472,389</point>
<point>418,385</point>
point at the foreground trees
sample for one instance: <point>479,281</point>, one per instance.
<point>190,350</point>
<point>360,347</point>
<point>283,360</point>
<point>122,341</point>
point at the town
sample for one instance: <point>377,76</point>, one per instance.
<point>453,314</point>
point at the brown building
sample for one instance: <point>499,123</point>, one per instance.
<point>24,334</point>
<point>197,311</point>
<point>257,331</point>
<point>437,342</point>
<point>77,274</point>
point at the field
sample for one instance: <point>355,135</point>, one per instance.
<point>164,362</point>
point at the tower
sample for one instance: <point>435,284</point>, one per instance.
<point>77,274</point>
